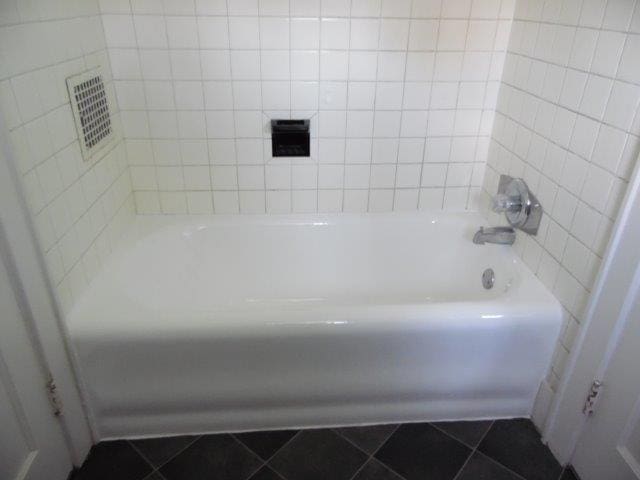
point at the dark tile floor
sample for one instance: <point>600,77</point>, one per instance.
<point>498,450</point>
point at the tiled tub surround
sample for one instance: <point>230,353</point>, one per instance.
<point>242,322</point>
<point>400,94</point>
<point>568,122</point>
<point>79,207</point>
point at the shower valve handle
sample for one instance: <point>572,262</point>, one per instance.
<point>506,203</point>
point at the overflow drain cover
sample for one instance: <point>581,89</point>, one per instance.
<point>488,278</point>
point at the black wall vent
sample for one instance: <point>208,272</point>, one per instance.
<point>290,138</point>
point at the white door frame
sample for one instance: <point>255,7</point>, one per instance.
<point>614,291</point>
<point>38,302</point>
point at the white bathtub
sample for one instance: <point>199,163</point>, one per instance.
<point>252,322</point>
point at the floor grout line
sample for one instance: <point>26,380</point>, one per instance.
<point>157,468</point>
<point>473,450</point>
<point>493,459</point>
<point>144,458</point>
<point>334,430</point>
<point>565,469</point>
<point>265,463</point>
<point>246,447</point>
<point>155,472</point>
<point>487,456</point>
<point>433,424</point>
<point>372,455</point>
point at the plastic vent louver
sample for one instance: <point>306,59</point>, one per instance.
<point>91,111</point>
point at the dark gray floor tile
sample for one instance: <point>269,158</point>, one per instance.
<point>469,433</point>
<point>419,451</point>
<point>480,467</point>
<point>265,473</point>
<point>374,470</point>
<point>109,460</point>
<point>266,444</point>
<point>160,450</point>
<point>213,456</point>
<point>367,438</point>
<point>516,444</point>
<point>569,474</point>
<point>318,455</point>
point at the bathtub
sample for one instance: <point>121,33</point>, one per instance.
<point>204,324</point>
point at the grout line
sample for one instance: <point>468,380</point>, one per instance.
<point>433,424</point>
<point>346,114</point>
<point>295,189</point>
<point>279,15</point>
<point>572,25</point>
<point>284,445</point>
<point>400,137</point>
<point>473,450</point>
<point>206,126</point>
<point>195,439</point>
<point>262,144</point>
<point>141,455</point>
<point>317,112</point>
<point>54,19</point>
<point>468,187</point>
<point>338,138</point>
<point>235,140</point>
<point>493,108</point>
<point>147,110</point>
<point>330,80</point>
<point>457,475</point>
<point>492,460</point>
<point>375,102</point>
<point>371,456</point>
<point>255,454</point>
<point>272,49</point>
<point>265,462</point>
<point>82,57</point>
<point>290,161</point>
<point>152,474</point>
<point>530,56</point>
<point>175,117</point>
<point>455,116</point>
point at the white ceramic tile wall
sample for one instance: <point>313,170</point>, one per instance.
<point>79,207</point>
<point>568,122</point>
<point>400,94</point>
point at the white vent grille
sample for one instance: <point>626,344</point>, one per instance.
<point>91,111</point>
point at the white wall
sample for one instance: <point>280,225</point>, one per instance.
<point>568,122</point>
<point>79,207</point>
<point>400,94</point>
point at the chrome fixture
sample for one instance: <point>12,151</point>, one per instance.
<point>499,235</point>
<point>488,278</point>
<point>520,206</point>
